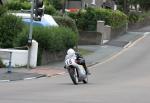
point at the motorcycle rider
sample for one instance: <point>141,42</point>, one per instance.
<point>80,60</point>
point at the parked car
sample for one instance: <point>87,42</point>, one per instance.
<point>47,20</point>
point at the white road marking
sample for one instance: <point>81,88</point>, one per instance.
<point>129,45</point>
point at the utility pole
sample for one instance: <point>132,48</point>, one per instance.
<point>30,35</point>
<point>126,6</point>
<point>1,3</point>
<point>37,11</point>
<point>63,6</point>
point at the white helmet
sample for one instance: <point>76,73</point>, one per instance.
<point>70,52</point>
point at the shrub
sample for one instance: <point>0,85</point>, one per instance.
<point>10,26</point>
<point>66,22</point>
<point>49,9</point>
<point>18,5</point>
<point>53,39</point>
<point>25,5</point>
<point>56,3</point>
<point>87,19</point>
<point>133,17</point>
<point>3,10</point>
<point>14,5</point>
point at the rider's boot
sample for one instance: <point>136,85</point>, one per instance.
<point>87,70</point>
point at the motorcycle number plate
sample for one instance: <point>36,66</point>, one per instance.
<point>69,62</point>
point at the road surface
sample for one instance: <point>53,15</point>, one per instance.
<point>125,78</point>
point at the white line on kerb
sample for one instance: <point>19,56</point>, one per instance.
<point>4,80</point>
<point>29,78</point>
<point>129,45</point>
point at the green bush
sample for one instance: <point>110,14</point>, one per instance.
<point>49,9</point>
<point>52,39</point>
<point>56,3</point>
<point>66,22</point>
<point>18,5</point>
<point>3,10</point>
<point>133,17</point>
<point>26,5</point>
<point>15,5</point>
<point>10,27</point>
<point>87,19</point>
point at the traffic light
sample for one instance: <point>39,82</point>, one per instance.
<point>38,10</point>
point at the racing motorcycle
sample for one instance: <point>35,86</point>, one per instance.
<point>76,71</point>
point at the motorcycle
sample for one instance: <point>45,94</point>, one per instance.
<point>76,71</point>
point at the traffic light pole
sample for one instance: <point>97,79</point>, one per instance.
<point>30,36</point>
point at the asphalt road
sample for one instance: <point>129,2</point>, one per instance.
<point>125,78</point>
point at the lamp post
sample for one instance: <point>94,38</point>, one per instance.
<point>126,6</point>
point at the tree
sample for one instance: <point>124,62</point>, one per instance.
<point>145,4</point>
<point>124,5</point>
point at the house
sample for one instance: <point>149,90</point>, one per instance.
<point>90,3</point>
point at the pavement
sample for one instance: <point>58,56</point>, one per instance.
<point>97,55</point>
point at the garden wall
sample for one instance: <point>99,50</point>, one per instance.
<point>19,58</point>
<point>140,24</point>
<point>117,32</point>
<point>49,57</point>
<point>89,38</point>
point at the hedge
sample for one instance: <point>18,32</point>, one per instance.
<point>3,10</point>
<point>133,17</point>
<point>53,39</point>
<point>87,19</point>
<point>49,9</point>
<point>10,27</point>
<point>66,22</point>
<point>18,5</point>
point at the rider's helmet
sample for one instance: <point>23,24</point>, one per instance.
<point>70,52</point>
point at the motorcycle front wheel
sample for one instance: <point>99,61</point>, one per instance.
<point>73,75</point>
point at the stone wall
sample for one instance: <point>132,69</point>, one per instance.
<point>140,24</point>
<point>49,57</point>
<point>118,31</point>
<point>89,38</point>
